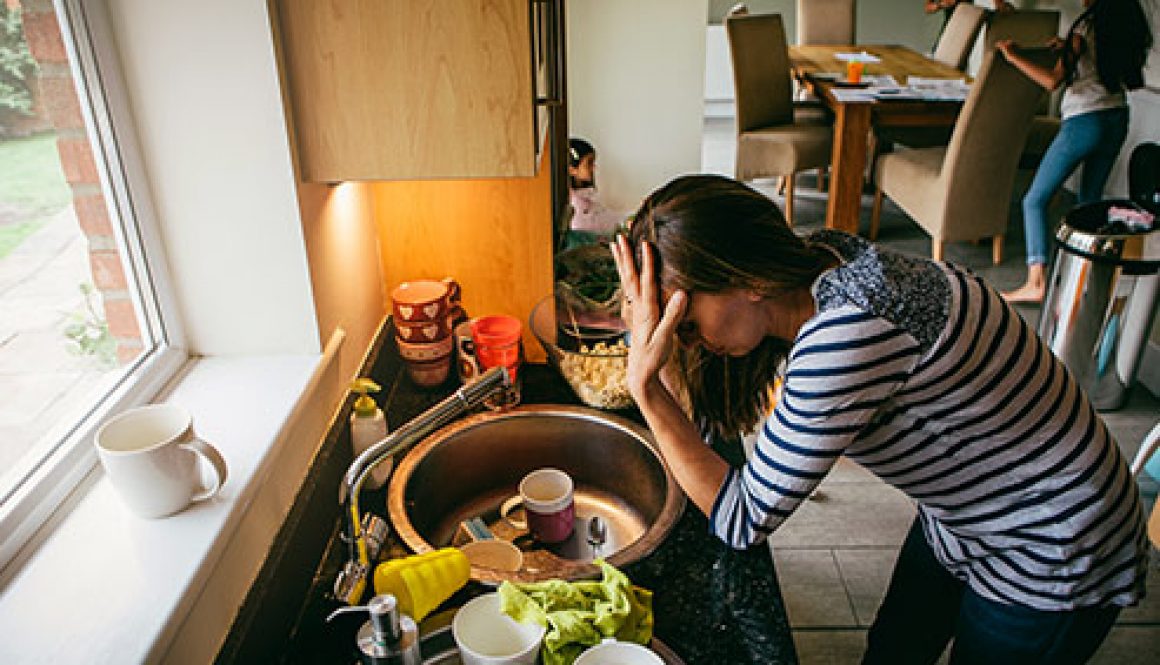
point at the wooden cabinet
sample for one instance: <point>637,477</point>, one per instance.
<point>418,89</point>
<point>494,236</point>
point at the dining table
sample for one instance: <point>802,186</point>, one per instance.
<point>821,69</point>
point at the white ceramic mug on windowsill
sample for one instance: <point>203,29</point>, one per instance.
<point>151,455</point>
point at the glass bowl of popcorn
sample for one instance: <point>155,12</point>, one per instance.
<point>593,360</point>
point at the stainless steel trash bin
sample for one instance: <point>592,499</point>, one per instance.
<point>1101,300</point>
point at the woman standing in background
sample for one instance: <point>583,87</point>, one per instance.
<point>1101,58</point>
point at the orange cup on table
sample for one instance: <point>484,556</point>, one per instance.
<point>854,71</point>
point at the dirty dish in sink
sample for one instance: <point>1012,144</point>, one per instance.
<point>495,554</point>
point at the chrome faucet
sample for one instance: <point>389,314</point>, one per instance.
<point>351,581</point>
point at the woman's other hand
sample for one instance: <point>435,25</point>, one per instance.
<point>653,331</point>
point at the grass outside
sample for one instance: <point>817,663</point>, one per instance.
<point>32,187</point>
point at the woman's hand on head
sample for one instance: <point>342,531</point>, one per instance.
<point>653,330</point>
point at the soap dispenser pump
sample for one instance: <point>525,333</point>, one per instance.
<point>368,426</point>
<point>389,637</point>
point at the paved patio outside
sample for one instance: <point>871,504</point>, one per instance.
<point>43,386</point>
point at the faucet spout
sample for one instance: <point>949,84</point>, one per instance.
<point>461,401</point>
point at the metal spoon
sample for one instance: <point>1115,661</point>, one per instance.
<point>597,534</point>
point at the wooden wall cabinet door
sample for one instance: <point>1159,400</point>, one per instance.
<point>415,89</point>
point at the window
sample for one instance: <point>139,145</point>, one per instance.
<point>84,327</point>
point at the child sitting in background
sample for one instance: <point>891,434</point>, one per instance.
<point>590,219</point>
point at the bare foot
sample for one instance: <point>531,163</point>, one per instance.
<point>1033,289</point>
<point>1028,293</point>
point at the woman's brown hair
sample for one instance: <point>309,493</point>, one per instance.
<point>714,234</point>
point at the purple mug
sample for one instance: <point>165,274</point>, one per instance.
<point>546,495</point>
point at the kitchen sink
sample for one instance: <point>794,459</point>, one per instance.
<point>626,499</point>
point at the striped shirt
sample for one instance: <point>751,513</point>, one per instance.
<point>922,374</point>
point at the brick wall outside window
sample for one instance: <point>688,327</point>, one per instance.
<point>57,101</point>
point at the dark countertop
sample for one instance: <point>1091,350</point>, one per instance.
<point>712,604</point>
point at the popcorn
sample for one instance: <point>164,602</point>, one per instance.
<point>598,375</point>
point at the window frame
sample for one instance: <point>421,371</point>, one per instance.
<point>49,480</point>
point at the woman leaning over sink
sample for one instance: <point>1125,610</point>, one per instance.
<point>1029,536</point>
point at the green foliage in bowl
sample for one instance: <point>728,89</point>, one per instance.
<point>587,282</point>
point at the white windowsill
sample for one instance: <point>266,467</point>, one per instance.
<point>105,586</point>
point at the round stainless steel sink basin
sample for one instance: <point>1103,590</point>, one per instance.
<point>469,468</point>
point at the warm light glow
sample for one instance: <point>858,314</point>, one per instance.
<point>343,202</point>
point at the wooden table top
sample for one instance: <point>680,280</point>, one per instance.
<point>899,61</point>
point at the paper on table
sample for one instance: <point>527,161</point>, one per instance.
<point>931,81</point>
<point>896,92</point>
<point>877,80</point>
<point>857,57</point>
<point>939,89</point>
<point>855,95</point>
<point>867,79</point>
<point>943,95</point>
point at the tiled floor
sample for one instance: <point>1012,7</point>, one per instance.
<point>835,554</point>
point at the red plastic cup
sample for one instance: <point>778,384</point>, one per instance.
<point>497,344</point>
<point>497,341</point>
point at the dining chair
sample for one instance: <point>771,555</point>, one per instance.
<point>739,9</point>
<point>1030,28</point>
<point>1027,28</point>
<point>954,49</point>
<point>825,22</point>
<point>958,37</point>
<point>962,191</point>
<point>772,139</point>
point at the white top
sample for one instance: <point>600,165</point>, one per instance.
<point>1086,94</point>
<point>590,214</point>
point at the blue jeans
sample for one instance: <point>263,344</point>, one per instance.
<point>1092,139</point>
<point>925,606</point>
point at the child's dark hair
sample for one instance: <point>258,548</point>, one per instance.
<point>1121,39</point>
<point>578,149</point>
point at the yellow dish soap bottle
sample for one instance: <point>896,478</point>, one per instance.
<point>368,426</point>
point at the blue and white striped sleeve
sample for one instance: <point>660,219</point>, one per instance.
<point>844,365</point>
